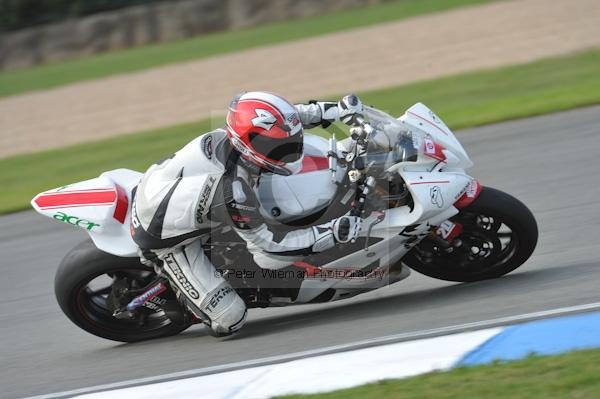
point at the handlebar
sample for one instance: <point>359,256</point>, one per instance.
<point>362,140</point>
<point>358,145</point>
<point>360,121</point>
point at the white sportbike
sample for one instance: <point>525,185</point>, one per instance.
<point>404,177</point>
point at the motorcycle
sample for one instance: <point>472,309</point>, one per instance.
<point>404,177</point>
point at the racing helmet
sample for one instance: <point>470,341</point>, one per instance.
<point>266,129</point>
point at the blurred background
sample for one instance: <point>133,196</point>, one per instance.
<point>75,72</point>
<point>37,32</point>
<point>92,85</point>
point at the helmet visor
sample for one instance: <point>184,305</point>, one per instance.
<point>287,150</point>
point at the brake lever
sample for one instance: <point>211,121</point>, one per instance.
<point>378,220</point>
<point>373,223</point>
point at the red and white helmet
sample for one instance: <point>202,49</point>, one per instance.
<point>267,131</point>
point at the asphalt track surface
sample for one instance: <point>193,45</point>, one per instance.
<point>548,162</point>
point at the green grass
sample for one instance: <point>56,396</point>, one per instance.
<point>489,96</point>
<point>462,101</point>
<point>118,62</point>
<point>573,375</point>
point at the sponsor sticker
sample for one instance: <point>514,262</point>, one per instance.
<point>155,303</point>
<point>293,120</point>
<point>435,193</point>
<point>146,296</point>
<point>293,123</point>
<point>471,190</point>
<point>429,146</point>
<point>217,297</point>
<point>75,221</point>
<point>207,145</point>
<point>204,197</point>
<point>135,222</point>
<point>180,277</point>
<point>152,306</point>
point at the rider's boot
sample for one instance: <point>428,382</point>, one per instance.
<point>203,289</point>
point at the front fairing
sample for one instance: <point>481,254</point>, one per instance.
<point>422,119</point>
<point>411,139</point>
<point>430,162</point>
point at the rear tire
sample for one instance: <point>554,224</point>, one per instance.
<point>90,311</point>
<point>483,222</point>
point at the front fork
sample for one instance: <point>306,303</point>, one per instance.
<point>446,235</point>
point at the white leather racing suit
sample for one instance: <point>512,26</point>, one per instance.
<point>203,185</point>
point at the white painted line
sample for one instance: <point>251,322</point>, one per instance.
<point>328,350</point>
<point>319,373</point>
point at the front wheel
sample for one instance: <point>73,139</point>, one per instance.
<point>499,235</point>
<point>91,284</point>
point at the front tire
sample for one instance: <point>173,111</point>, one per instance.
<point>90,307</point>
<point>499,235</point>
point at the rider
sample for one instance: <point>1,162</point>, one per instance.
<point>210,181</point>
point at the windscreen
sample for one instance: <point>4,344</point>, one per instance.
<point>391,143</point>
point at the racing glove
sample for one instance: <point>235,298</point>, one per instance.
<point>346,228</point>
<point>349,108</point>
<point>324,113</point>
<point>341,230</point>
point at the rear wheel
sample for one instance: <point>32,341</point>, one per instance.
<point>90,284</point>
<point>499,235</point>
